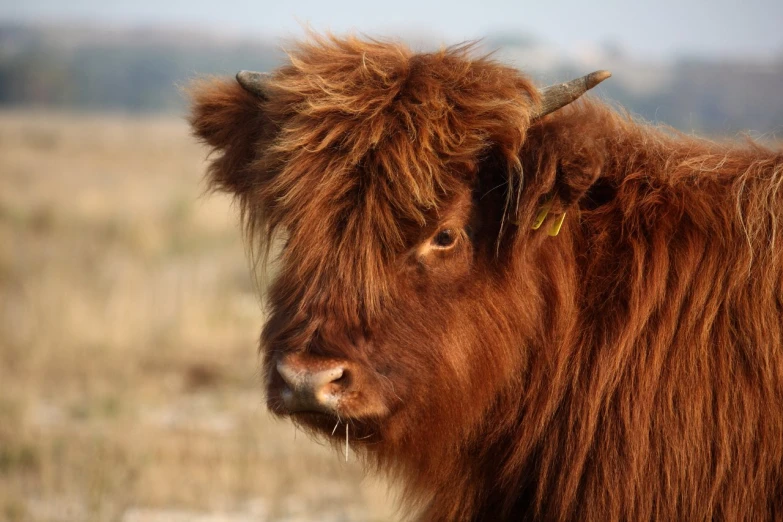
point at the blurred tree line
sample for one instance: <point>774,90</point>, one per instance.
<point>143,70</point>
<point>139,71</point>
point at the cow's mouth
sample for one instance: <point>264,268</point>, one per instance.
<point>323,422</point>
<point>337,429</point>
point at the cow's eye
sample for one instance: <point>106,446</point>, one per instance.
<point>445,238</point>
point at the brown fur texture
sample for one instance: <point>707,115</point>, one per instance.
<point>630,368</point>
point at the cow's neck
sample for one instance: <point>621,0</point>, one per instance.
<point>651,197</point>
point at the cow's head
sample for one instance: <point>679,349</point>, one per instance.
<point>394,184</point>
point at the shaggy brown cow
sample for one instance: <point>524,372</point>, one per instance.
<point>628,368</point>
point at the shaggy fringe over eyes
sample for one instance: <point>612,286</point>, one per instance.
<point>360,137</point>
<point>413,125</point>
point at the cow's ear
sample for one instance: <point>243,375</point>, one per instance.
<point>574,177</point>
<point>560,167</point>
<point>233,123</point>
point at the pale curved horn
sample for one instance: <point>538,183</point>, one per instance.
<point>556,96</point>
<point>254,82</point>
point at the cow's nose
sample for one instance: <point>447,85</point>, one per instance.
<point>313,386</point>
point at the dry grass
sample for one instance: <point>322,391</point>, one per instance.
<point>128,324</point>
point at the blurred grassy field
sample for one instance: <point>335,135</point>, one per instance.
<point>129,387</point>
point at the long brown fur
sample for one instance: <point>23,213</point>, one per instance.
<point>630,368</point>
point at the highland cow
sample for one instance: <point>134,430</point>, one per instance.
<point>519,307</point>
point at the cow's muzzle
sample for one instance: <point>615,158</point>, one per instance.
<point>312,385</point>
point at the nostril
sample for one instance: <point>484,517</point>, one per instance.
<point>324,377</point>
<point>343,378</point>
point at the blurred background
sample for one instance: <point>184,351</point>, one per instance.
<point>129,317</point>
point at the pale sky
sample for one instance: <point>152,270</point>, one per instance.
<point>711,28</point>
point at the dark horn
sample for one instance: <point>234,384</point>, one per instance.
<point>254,82</point>
<point>557,96</point>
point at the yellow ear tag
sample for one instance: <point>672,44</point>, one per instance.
<point>555,228</point>
<point>542,212</point>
